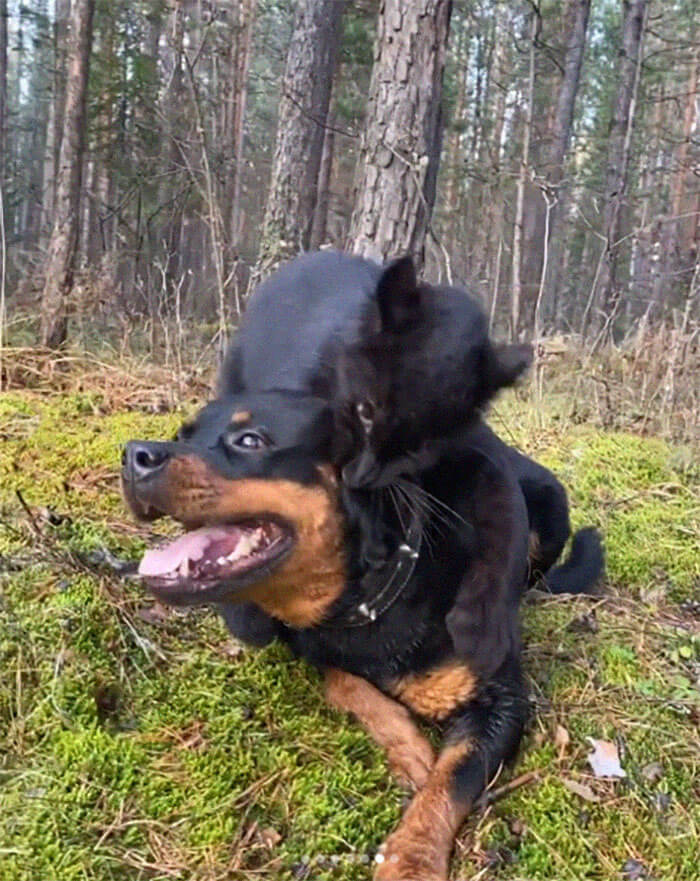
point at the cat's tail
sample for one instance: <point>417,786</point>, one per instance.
<point>582,569</point>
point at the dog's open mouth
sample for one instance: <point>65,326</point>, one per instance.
<point>213,561</point>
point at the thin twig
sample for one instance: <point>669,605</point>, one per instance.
<point>30,514</point>
<point>492,795</point>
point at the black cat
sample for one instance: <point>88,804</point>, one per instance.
<point>412,389</point>
<point>424,369</point>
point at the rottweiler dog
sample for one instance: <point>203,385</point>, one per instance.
<point>271,530</point>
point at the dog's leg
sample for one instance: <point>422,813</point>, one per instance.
<point>485,734</point>
<point>388,722</point>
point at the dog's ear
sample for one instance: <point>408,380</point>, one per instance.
<point>507,363</point>
<point>398,296</point>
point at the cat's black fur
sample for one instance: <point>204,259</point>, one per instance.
<point>423,370</point>
<point>410,390</point>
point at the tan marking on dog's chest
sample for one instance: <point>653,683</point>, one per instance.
<point>436,693</point>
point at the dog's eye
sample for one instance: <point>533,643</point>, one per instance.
<point>250,440</point>
<point>245,440</point>
<point>365,413</point>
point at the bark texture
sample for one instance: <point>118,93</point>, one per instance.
<point>400,151</point>
<point>3,85</point>
<point>234,108</point>
<point>63,245</point>
<point>607,291</point>
<point>560,140</point>
<point>303,113</point>
<point>319,229</point>
<point>524,173</point>
<point>55,121</point>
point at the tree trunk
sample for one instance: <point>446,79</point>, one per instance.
<point>63,245</point>
<point>174,114</point>
<point>240,63</point>
<point>454,169</point>
<point>516,294</point>
<point>561,138</point>
<point>36,146</point>
<point>55,122</point>
<point>490,248</point>
<point>3,88</point>
<point>400,151</point>
<point>670,255</point>
<point>303,113</point>
<point>566,100</point>
<point>319,229</point>
<point>607,293</point>
<point>681,225</point>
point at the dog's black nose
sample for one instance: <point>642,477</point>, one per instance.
<point>142,459</point>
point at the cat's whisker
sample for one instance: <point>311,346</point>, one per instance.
<point>397,507</point>
<point>427,505</point>
<point>416,505</point>
<point>422,491</point>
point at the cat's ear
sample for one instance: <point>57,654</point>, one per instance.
<point>398,296</point>
<point>507,363</point>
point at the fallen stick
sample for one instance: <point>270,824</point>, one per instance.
<point>492,795</point>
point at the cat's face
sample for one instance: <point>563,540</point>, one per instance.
<point>364,416</point>
<point>426,370</point>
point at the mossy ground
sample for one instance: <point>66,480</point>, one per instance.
<point>142,744</point>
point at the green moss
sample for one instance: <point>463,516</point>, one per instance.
<point>125,743</point>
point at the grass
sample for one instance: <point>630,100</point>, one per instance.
<point>139,743</point>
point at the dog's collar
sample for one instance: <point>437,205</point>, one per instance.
<point>382,587</point>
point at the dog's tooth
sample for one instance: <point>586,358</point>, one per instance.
<point>221,561</point>
<point>184,568</point>
<point>244,547</point>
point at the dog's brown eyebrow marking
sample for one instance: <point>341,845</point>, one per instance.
<point>241,416</point>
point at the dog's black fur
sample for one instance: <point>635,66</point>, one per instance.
<point>471,490</point>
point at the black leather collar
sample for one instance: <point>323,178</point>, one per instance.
<point>382,587</point>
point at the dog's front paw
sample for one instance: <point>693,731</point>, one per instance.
<point>411,762</point>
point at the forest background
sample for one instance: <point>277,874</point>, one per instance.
<point>556,168</point>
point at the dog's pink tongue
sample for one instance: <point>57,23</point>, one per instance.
<point>190,546</point>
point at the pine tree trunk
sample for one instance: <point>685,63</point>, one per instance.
<point>516,293</point>
<point>490,262</point>
<point>319,229</point>
<point>671,250</point>
<point>34,159</point>
<point>561,138</point>
<point>454,170</point>
<point>400,151</point>
<point>175,100</point>
<point>55,122</point>
<point>303,113</point>
<point>607,294</point>
<point>683,166</point>
<point>3,89</point>
<point>240,63</point>
<point>63,245</point>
